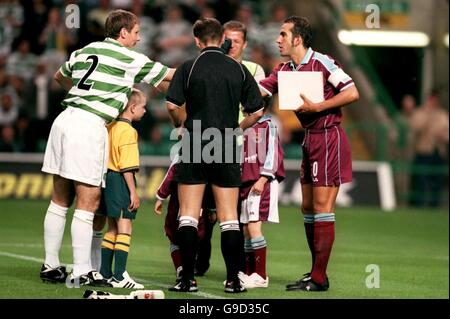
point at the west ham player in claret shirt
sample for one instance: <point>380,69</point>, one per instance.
<point>326,160</point>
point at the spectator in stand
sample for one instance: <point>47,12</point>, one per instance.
<point>9,111</point>
<point>193,10</point>
<point>11,17</point>
<point>7,140</point>
<point>96,20</point>
<point>55,38</point>
<point>148,29</point>
<point>35,19</point>
<point>6,87</point>
<point>175,42</point>
<point>271,29</point>
<point>245,15</point>
<point>429,124</point>
<point>21,64</point>
<point>405,151</point>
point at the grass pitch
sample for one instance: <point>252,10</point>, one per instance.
<point>409,247</point>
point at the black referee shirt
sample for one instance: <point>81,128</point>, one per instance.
<point>212,85</point>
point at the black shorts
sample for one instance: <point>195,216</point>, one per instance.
<point>223,171</point>
<point>223,174</point>
<point>115,197</point>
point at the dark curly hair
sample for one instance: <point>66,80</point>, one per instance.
<point>302,28</point>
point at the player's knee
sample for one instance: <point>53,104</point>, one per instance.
<point>307,208</point>
<point>254,229</point>
<point>89,203</point>
<point>62,199</point>
<point>322,207</point>
<point>99,222</point>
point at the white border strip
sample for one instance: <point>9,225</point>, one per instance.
<point>386,186</point>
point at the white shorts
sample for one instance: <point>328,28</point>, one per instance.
<point>77,147</point>
<point>262,207</point>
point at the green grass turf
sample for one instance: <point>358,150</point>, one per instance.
<point>410,247</point>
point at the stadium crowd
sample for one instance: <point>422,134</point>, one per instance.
<point>35,41</point>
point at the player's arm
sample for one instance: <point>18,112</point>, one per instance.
<point>175,98</point>
<point>169,75</point>
<point>167,187</point>
<point>269,85</point>
<point>134,198</point>
<point>65,82</point>
<point>250,119</point>
<point>270,166</point>
<point>343,98</point>
<point>64,74</point>
<point>251,100</point>
<point>258,187</point>
<point>176,113</point>
<point>164,85</point>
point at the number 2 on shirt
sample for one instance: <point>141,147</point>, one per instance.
<point>82,85</point>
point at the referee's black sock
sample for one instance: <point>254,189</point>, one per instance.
<point>230,241</point>
<point>187,237</point>
<point>242,256</point>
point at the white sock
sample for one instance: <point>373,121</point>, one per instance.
<point>81,241</point>
<point>54,222</point>
<point>96,250</point>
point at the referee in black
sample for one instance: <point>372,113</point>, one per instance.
<point>211,86</point>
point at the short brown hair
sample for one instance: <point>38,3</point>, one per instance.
<point>117,20</point>
<point>207,29</point>
<point>238,26</point>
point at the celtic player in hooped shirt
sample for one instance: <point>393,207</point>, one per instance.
<point>99,78</point>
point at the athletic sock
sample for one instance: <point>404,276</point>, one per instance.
<point>230,241</point>
<point>242,254</point>
<point>175,254</point>
<point>188,240</point>
<point>249,257</point>
<point>96,250</point>
<point>121,250</point>
<point>204,245</point>
<point>323,243</point>
<point>81,230</point>
<point>259,246</point>
<point>309,231</point>
<point>107,255</point>
<point>54,223</point>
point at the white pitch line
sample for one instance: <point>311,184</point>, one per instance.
<point>38,260</point>
<point>153,283</point>
<point>23,245</point>
<point>198,293</point>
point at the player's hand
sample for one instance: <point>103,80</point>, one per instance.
<point>308,106</point>
<point>180,131</point>
<point>134,202</point>
<point>158,207</point>
<point>258,187</point>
